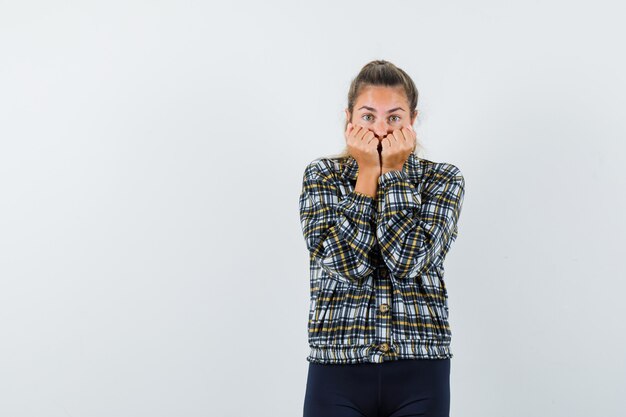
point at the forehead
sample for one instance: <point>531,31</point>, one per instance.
<point>381,97</point>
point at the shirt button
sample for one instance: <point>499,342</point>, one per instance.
<point>384,347</point>
<point>384,308</point>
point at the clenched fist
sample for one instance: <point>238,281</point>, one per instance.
<point>363,146</point>
<point>396,148</point>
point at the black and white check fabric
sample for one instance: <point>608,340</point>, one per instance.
<point>376,281</point>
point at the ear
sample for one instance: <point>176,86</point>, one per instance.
<point>414,117</point>
<point>347,114</point>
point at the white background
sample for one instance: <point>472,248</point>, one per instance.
<point>151,158</point>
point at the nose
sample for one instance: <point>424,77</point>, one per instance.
<point>380,129</point>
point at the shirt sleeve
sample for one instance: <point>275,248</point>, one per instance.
<point>339,233</point>
<point>413,228</point>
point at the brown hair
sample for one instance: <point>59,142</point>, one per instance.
<point>381,73</point>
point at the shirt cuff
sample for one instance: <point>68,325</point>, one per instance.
<point>363,207</point>
<point>392,177</point>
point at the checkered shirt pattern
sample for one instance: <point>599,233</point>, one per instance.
<point>376,264</point>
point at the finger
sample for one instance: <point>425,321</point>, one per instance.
<point>404,135</point>
<point>368,136</point>
<point>353,131</point>
<point>410,132</point>
<point>412,136</point>
<point>396,136</point>
<point>348,130</point>
<point>361,134</point>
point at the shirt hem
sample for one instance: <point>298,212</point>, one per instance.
<point>353,354</point>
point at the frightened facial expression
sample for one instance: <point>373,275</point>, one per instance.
<point>382,110</point>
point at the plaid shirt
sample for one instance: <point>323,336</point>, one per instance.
<point>377,288</point>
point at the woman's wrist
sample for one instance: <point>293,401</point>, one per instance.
<point>367,182</point>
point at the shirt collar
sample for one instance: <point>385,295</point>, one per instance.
<point>412,168</point>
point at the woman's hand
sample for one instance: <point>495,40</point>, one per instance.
<point>363,146</point>
<point>397,146</point>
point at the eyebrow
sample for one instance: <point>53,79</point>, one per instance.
<point>371,109</point>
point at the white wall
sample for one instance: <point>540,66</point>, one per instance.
<point>151,157</point>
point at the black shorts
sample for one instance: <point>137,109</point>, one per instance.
<point>405,387</point>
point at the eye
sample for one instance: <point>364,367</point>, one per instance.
<point>365,115</point>
<point>397,117</point>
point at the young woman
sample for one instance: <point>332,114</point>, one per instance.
<point>378,222</point>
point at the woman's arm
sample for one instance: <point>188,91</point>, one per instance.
<point>412,229</point>
<point>339,234</point>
